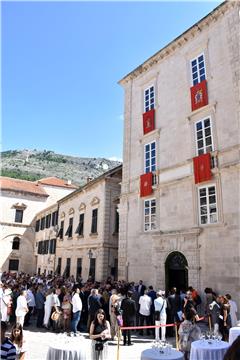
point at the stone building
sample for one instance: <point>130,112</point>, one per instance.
<point>20,201</point>
<point>87,231</point>
<point>179,206</point>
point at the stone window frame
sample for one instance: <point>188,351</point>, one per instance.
<point>150,106</point>
<point>150,158</point>
<point>204,148</point>
<point>207,186</point>
<point>196,58</point>
<point>150,214</point>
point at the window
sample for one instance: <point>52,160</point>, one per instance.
<point>48,221</point>
<point>16,243</point>
<point>43,223</point>
<point>198,69</point>
<point>13,265</point>
<point>150,157</point>
<point>19,216</point>
<point>52,246</point>
<point>94,221</point>
<point>149,214</point>
<point>37,226</point>
<point>59,266</point>
<point>54,218</point>
<point>69,230</point>
<point>116,224</point>
<point>208,205</point>
<point>149,99</point>
<point>68,268</point>
<point>203,133</point>
<point>80,227</point>
<point>79,268</point>
<point>60,233</point>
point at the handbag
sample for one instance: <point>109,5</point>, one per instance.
<point>98,346</point>
<point>55,316</point>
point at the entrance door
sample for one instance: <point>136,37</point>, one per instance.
<point>176,271</point>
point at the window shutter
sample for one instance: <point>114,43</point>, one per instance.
<point>202,168</point>
<point>148,121</point>
<point>146,184</point>
<point>199,95</point>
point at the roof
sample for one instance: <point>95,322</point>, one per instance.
<point>54,181</point>
<point>25,186</point>
<point>105,175</point>
<point>179,41</point>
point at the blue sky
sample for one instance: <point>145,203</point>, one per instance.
<point>61,62</point>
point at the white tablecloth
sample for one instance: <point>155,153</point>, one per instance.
<point>233,334</point>
<point>152,354</point>
<point>202,350</point>
<point>71,349</point>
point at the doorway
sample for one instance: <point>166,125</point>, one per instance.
<point>176,271</point>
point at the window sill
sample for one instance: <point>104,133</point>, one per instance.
<point>93,234</point>
<point>217,224</point>
<point>152,135</point>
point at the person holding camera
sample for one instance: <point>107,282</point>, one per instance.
<point>100,333</point>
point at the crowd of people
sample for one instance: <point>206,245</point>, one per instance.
<point>99,308</point>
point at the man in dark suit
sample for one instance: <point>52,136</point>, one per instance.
<point>128,308</point>
<point>140,288</point>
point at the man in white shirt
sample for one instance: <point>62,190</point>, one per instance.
<point>76,309</point>
<point>31,305</point>
<point>160,306</point>
<point>144,311</point>
<point>22,307</point>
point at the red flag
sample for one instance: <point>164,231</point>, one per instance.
<point>202,168</point>
<point>148,121</point>
<point>146,184</point>
<point>199,95</point>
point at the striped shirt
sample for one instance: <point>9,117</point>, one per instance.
<point>8,350</point>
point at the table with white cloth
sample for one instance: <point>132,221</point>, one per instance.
<point>152,354</point>
<point>233,334</point>
<point>72,349</point>
<point>208,350</point>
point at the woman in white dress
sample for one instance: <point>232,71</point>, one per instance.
<point>48,307</point>
<point>6,300</point>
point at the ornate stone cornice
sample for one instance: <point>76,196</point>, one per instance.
<point>180,40</point>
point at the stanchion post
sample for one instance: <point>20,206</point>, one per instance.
<point>176,334</point>
<point>118,344</point>
<point>209,322</point>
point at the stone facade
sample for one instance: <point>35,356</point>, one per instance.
<point>211,250</point>
<point>20,201</point>
<point>73,245</point>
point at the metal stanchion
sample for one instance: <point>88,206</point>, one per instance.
<point>209,322</point>
<point>176,334</point>
<point>118,344</point>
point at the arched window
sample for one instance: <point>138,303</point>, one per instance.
<point>16,243</point>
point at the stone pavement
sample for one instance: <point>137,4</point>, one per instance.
<point>38,341</point>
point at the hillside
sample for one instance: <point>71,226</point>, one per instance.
<point>33,165</point>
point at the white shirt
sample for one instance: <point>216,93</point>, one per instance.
<point>145,305</point>
<point>233,312</point>
<point>30,299</point>
<point>21,309</point>
<point>76,303</point>
<point>160,304</point>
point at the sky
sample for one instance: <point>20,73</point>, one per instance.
<point>61,63</point>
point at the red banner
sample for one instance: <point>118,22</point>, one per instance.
<point>199,95</point>
<point>202,168</point>
<point>146,184</point>
<point>148,121</point>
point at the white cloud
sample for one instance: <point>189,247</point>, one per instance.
<point>115,158</point>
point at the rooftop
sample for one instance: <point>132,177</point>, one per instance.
<point>18,185</point>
